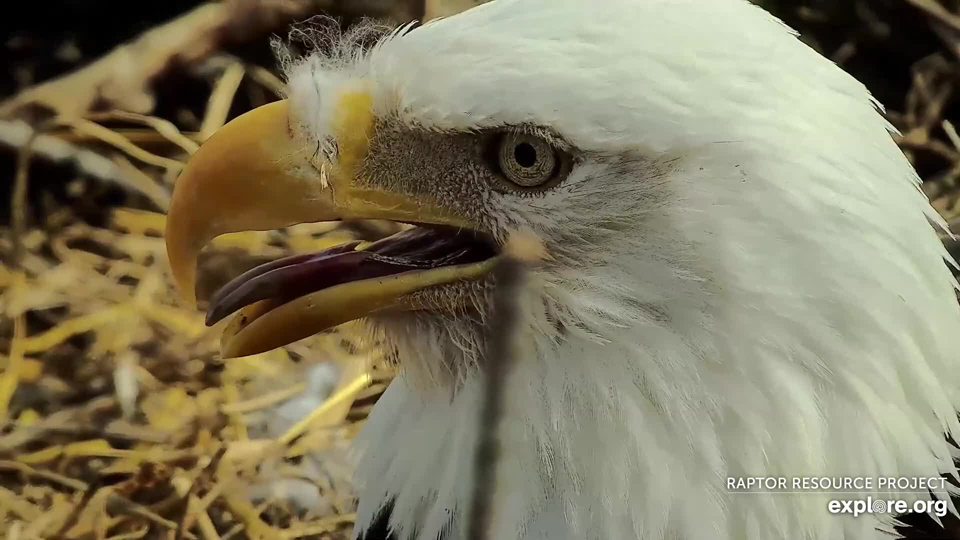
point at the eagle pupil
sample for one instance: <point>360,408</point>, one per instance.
<point>525,154</point>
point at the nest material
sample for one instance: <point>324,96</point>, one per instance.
<point>122,419</point>
<point>119,420</point>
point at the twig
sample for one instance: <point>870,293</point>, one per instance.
<point>218,105</point>
<point>318,527</point>
<point>121,79</point>
<point>192,504</point>
<point>938,12</point>
<point>232,395</point>
<point>23,468</point>
<point>204,523</point>
<point>164,128</point>
<point>58,509</point>
<point>499,360</point>
<point>10,377</point>
<point>346,393</point>
<point>138,136</point>
<point>120,142</point>
<point>267,79</point>
<point>235,530</point>
<point>123,505</point>
<point>212,495</point>
<point>18,202</point>
<point>264,401</point>
<point>63,145</point>
<point>143,183</point>
<point>15,530</point>
<point>919,138</point>
<point>60,421</point>
<point>48,339</point>
<point>132,535</point>
<point>951,134</point>
<point>948,35</point>
<point>76,512</point>
<point>244,510</point>
<point>15,506</point>
<point>844,52</point>
<point>122,429</point>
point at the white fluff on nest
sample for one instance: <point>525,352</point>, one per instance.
<point>314,471</point>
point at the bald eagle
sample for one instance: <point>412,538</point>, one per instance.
<point>739,276</point>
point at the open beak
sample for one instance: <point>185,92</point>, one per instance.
<point>256,174</point>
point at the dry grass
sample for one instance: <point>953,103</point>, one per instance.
<point>120,417</point>
<point>119,420</point>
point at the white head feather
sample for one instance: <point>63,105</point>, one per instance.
<point>749,282</point>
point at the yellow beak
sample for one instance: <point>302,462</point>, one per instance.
<point>255,174</point>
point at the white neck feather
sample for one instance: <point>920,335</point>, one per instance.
<point>770,299</point>
<point>628,424</point>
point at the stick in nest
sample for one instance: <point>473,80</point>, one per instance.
<point>121,79</point>
<point>522,251</point>
<point>59,149</point>
<point>499,360</point>
<point>18,202</point>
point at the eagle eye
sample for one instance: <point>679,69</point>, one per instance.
<point>528,161</point>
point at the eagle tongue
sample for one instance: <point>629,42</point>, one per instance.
<point>433,246</point>
<point>292,277</point>
<point>276,279</point>
<point>227,289</point>
<point>300,275</point>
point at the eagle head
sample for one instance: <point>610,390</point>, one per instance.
<point>730,269</point>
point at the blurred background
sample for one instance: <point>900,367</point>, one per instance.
<point>117,417</point>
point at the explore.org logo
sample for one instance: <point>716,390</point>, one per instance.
<point>870,505</point>
<point>848,495</point>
